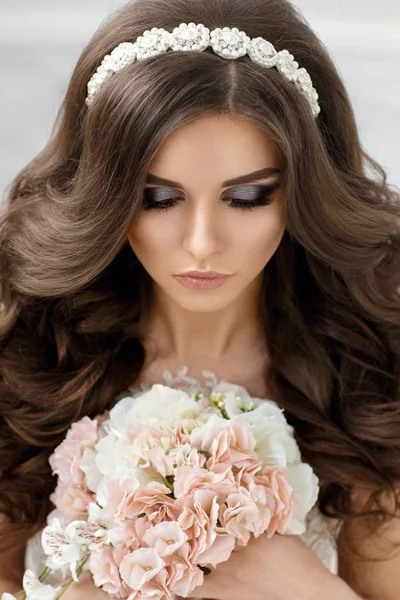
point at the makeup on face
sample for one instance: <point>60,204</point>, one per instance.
<point>163,193</point>
<point>212,215</point>
<point>202,280</point>
<point>245,198</point>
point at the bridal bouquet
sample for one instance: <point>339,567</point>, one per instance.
<point>166,485</point>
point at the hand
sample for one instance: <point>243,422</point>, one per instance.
<point>279,568</point>
<point>85,590</point>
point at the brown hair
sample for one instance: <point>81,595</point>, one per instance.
<point>73,291</point>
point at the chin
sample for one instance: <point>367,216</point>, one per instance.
<point>203,302</point>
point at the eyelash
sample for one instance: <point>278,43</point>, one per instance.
<point>262,199</point>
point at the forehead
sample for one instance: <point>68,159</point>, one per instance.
<point>213,150</point>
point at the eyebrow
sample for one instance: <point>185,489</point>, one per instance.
<point>248,178</point>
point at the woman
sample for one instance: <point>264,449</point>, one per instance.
<point>188,162</point>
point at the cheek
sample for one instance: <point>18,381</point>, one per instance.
<point>260,238</point>
<point>149,238</point>
<point>249,237</point>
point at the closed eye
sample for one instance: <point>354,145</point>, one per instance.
<point>244,198</point>
<point>252,197</point>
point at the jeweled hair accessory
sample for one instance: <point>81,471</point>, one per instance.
<point>226,42</point>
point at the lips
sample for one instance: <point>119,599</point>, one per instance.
<point>202,275</point>
<point>198,280</point>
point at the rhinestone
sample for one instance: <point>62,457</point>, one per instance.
<point>286,64</point>
<point>230,38</point>
<point>152,43</point>
<point>189,34</point>
<point>229,43</point>
<point>190,37</point>
<point>262,52</point>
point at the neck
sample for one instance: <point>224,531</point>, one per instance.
<point>191,336</point>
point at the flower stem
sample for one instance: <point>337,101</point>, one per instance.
<point>68,583</point>
<point>44,573</point>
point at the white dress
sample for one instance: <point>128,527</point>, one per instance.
<point>320,536</point>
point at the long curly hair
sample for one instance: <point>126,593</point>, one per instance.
<point>73,291</point>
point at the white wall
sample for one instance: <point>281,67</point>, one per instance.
<point>40,41</point>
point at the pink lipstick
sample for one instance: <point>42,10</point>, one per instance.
<point>202,280</point>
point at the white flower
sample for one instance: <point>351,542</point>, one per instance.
<point>305,494</point>
<point>231,393</point>
<point>92,533</point>
<point>63,547</point>
<point>276,444</point>
<point>89,467</point>
<point>117,457</point>
<point>160,404</point>
<point>34,589</point>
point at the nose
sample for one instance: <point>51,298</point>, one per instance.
<point>203,234</point>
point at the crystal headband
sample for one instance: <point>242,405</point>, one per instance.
<point>226,42</point>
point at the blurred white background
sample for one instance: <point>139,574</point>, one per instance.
<point>41,40</point>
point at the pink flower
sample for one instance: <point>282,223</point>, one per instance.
<point>160,461</point>
<point>274,479</point>
<point>187,479</point>
<point>185,455</point>
<point>84,431</point>
<point>234,445</point>
<point>219,551</point>
<point>119,495</point>
<point>66,458</point>
<point>198,518</point>
<point>165,537</point>
<point>104,564</point>
<point>156,588</point>
<point>72,500</point>
<point>187,581</point>
<point>240,516</point>
<point>126,500</point>
<point>153,501</point>
<point>181,437</point>
<point>242,437</point>
<point>129,533</point>
<point>140,566</point>
<point>237,436</point>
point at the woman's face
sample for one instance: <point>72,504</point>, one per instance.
<point>199,222</point>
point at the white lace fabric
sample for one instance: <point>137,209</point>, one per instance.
<point>321,533</point>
